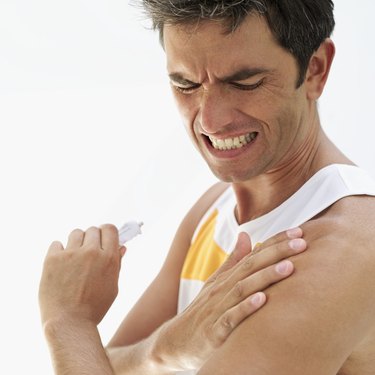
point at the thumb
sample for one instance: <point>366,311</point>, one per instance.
<point>122,251</point>
<point>241,249</point>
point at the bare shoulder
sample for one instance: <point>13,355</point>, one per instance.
<point>354,213</point>
<point>171,270</point>
<point>350,222</point>
<point>202,205</point>
<point>314,320</point>
<point>185,231</point>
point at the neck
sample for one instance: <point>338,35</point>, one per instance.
<point>265,192</point>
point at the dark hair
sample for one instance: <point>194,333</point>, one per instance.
<point>300,26</point>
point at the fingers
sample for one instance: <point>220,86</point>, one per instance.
<point>241,249</point>
<point>75,239</point>
<point>109,237</point>
<point>122,250</point>
<point>280,246</point>
<point>92,238</point>
<point>290,234</point>
<point>270,252</point>
<point>110,240</point>
<point>258,281</point>
<point>224,326</point>
<point>257,271</point>
<point>245,297</point>
<point>105,237</point>
<point>55,247</point>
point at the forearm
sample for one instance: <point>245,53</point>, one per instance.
<point>76,348</point>
<point>186,341</point>
<point>148,356</point>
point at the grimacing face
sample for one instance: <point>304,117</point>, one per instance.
<point>237,96</point>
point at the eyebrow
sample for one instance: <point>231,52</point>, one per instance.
<point>178,78</point>
<point>244,74</point>
<point>240,75</point>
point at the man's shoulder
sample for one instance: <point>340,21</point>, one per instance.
<point>341,239</point>
<point>343,231</point>
<point>351,218</point>
<point>201,206</point>
<point>208,198</point>
<point>326,306</point>
<point>355,205</point>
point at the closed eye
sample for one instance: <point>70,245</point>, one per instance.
<point>186,89</point>
<point>247,87</point>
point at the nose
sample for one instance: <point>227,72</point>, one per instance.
<point>215,111</point>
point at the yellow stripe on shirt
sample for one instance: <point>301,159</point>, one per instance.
<point>204,256</point>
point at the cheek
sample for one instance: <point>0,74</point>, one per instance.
<point>264,110</point>
<point>187,108</point>
<point>285,130</point>
<point>275,109</point>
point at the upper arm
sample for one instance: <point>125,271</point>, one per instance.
<point>159,302</point>
<point>314,319</point>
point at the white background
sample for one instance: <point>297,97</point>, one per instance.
<point>89,134</point>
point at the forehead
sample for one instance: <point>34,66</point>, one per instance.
<point>210,46</point>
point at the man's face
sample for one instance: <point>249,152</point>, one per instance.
<point>237,96</point>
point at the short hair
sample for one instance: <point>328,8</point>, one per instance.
<point>299,26</point>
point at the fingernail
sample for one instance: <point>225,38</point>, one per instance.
<point>257,246</point>
<point>284,267</point>
<point>257,299</point>
<point>297,244</point>
<point>294,232</point>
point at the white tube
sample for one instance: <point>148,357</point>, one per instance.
<point>128,231</point>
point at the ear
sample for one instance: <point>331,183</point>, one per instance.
<point>318,69</point>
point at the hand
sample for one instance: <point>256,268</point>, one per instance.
<point>229,296</point>
<point>81,281</point>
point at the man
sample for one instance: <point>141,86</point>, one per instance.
<point>246,77</point>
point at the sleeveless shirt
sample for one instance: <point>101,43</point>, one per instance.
<point>216,234</point>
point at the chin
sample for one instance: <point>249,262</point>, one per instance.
<point>234,176</point>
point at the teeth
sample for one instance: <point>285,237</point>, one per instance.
<point>229,143</point>
<point>233,143</point>
<point>236,142</point>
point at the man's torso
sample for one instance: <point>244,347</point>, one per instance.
<point>217,232</point>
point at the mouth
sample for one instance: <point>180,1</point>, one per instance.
<point>226,144</point>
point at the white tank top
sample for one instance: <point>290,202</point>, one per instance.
<point>217,232</point>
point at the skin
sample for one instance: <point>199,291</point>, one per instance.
<point>79,284</point>
<point>290,141</point>
<point>322,317</point>
<point>290,147</point>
